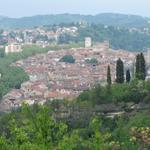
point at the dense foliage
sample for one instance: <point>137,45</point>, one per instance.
<point>67,59</point>
<point>136,91</point>
<point>35,129</point>
<point>92,61</point>
<point>2,52</point>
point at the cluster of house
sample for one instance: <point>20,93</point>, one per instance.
<point>39,36</point>
<point>51,79</point>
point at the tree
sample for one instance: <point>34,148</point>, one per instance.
<point>67,59</point>
<point>120,71</point>
<point>128,76</point>
<point>109,82</point>
<point>96,94</point>
<point>93,61</point>
<point>2,52</point>
<point>137,66</point>
<point>143,67</point>
<point>140,72</point>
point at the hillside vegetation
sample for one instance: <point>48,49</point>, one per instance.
<point>105,18</point>
<point>119,38</point>
<point>36,129</point>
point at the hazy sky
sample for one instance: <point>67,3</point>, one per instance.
<point>19,8</point>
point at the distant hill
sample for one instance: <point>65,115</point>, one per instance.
<point>2,17</point>
<point>105,18</point>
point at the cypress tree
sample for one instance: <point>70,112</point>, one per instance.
<point>140,72</point>
<point>119,71</point>
<point>128,76</point>
<point>109,82</point>
<point>137,65</point>
<point>143,67</point>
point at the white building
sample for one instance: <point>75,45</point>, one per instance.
<point>88,42</point>
<point>148,56</point>
<point>13,48</point>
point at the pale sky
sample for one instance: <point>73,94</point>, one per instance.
<point>20,8</point>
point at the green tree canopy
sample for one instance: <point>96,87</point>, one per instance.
<point>67,59</point>
<point>93,61</point>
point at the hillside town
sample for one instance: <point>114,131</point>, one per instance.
<point>51,79</point>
